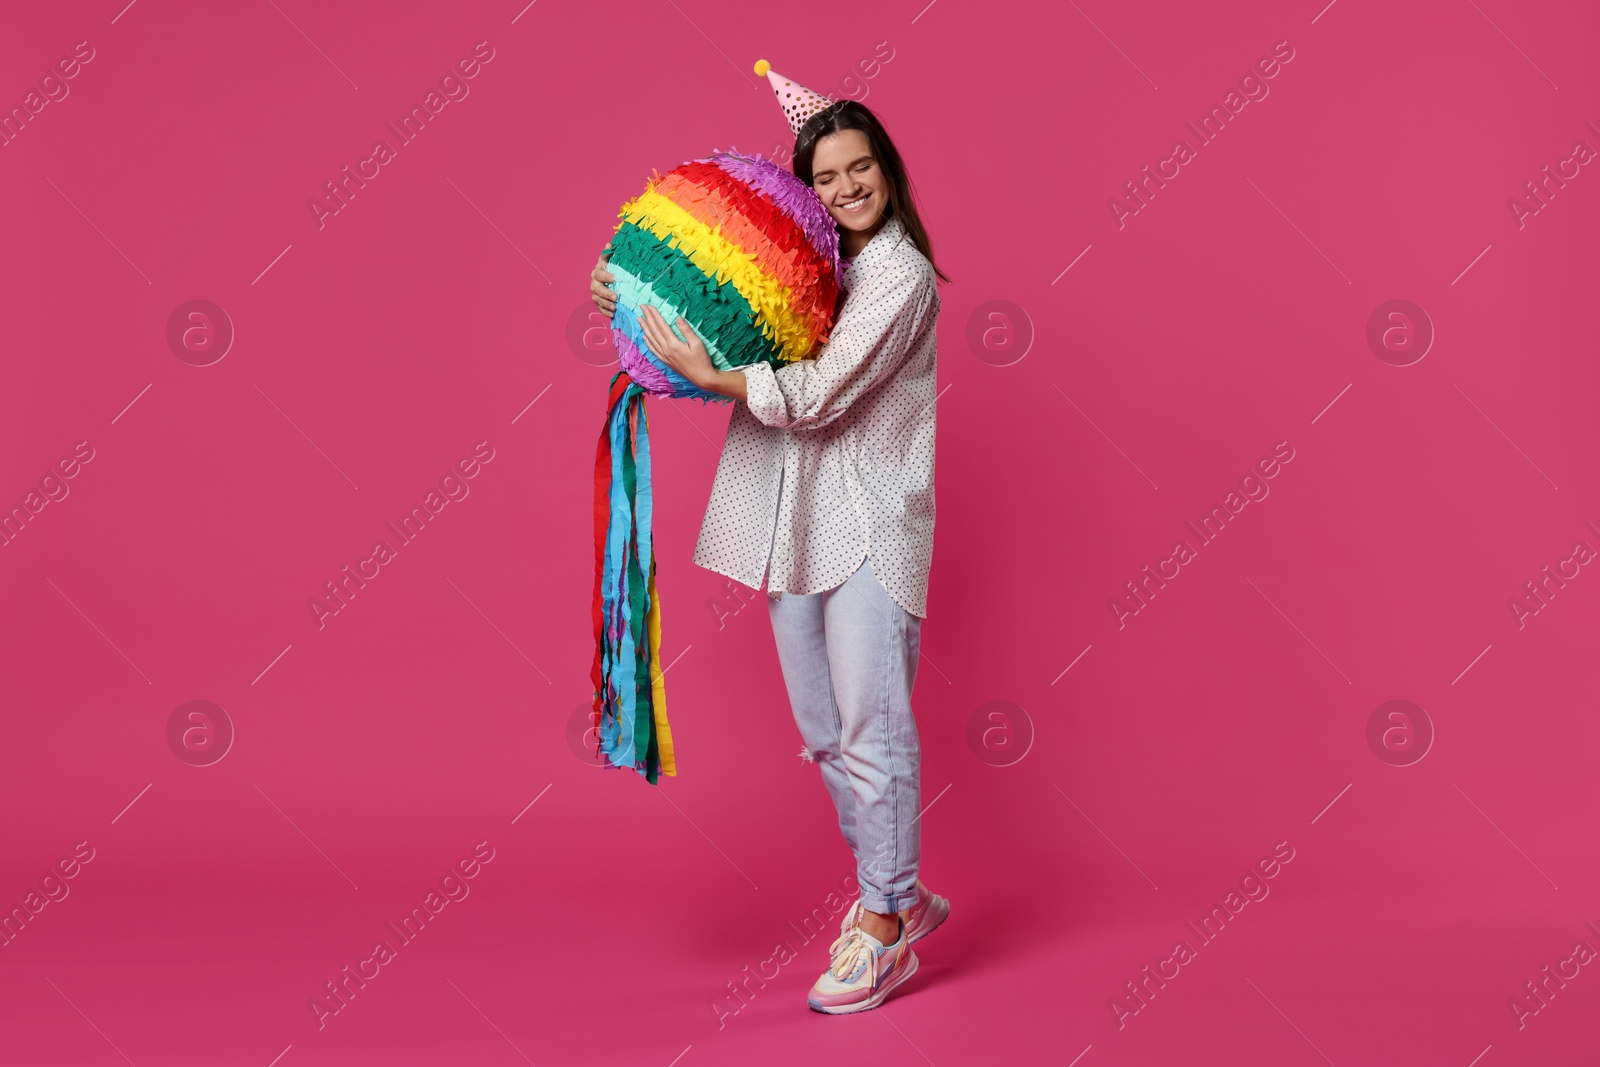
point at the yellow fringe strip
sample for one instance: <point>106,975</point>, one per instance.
<point>658,684</point>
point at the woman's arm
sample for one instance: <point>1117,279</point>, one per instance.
<point>889,311</point>
<point>886,314</point>
<point>688,355</point>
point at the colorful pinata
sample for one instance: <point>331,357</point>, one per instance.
<point>746,253</point>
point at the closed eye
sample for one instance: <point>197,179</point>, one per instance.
<point>862,166</point>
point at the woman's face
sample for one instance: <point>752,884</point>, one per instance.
<point>849,181</point>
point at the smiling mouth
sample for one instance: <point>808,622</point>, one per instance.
<point>855,205</point>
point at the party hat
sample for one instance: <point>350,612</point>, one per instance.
<point>798,102</point>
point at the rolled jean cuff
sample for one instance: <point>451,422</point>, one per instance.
<point>888,905</point>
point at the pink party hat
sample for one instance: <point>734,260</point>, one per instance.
<point>798,102</point>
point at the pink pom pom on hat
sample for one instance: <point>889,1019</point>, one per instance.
<point>798,102</point>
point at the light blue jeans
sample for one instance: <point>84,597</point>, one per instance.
<point>849,658</point>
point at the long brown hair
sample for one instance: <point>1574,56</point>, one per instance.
<point>851,115</point>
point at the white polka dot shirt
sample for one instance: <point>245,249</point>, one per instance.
<point>829,461</point>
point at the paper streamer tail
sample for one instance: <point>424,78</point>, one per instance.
<point>630,696</point>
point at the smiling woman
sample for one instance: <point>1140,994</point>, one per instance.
<point>842,540</point>
<point>824,495</point>
<point>845,154</point>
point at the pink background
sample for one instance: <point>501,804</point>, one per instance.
<point>1228,715</point>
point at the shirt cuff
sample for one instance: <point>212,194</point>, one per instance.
<point>762,394</point>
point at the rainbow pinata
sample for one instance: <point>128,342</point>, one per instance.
<point>748,254</point>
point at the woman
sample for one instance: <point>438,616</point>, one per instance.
<point>824,493</point>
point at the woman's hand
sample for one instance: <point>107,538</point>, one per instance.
<point>688,357</point>
<point>605,299</point>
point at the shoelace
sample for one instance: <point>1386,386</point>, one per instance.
<point>855,921</point>
<point>850,955</point>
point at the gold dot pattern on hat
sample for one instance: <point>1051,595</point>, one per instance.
<point>799,104</point>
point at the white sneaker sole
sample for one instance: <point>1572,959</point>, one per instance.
<point>876,998</point>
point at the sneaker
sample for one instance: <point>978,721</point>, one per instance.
<point>863,973</point>
<point>921,918</point>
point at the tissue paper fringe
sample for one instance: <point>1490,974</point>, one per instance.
<point>629,700</point>
<point>648,270</point>
<point>776,242</point>
<point>792,196</point>
<point>747,253</point>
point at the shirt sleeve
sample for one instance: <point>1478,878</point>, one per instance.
<point>876,331</point>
